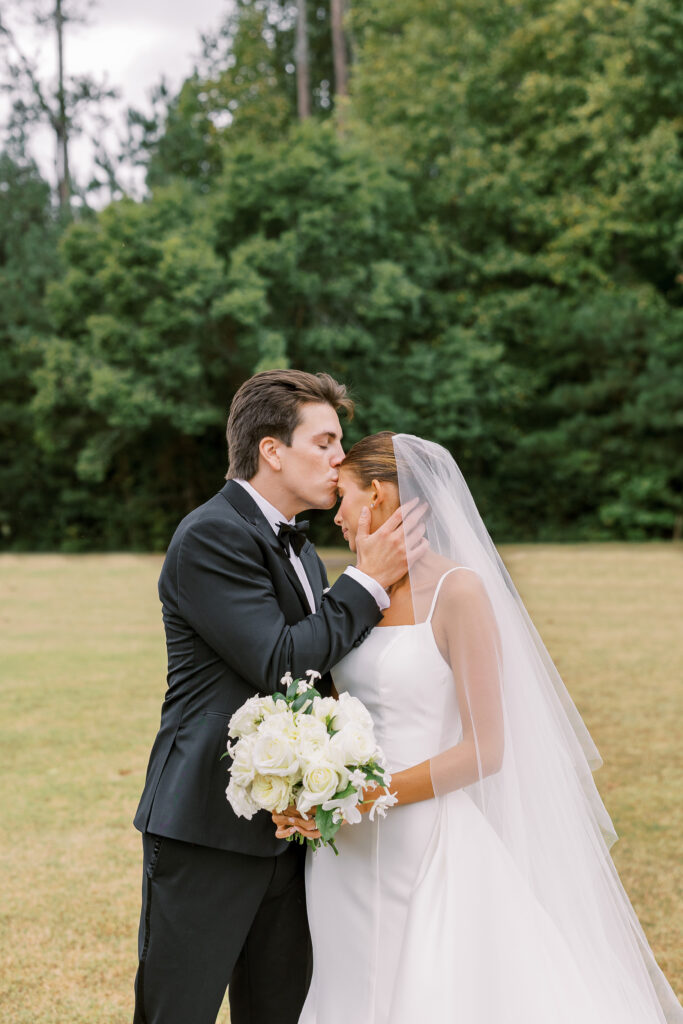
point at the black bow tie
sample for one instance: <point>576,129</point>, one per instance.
<point>294,536</point>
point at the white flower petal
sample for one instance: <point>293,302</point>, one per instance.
<point>381,804</point>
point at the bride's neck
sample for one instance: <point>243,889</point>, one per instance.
<point>398,586</point>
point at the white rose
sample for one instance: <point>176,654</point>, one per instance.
<point>323,708</point>
<point>283,725</point>
<point>320,782</point>
<point>273,754</point>
<point>272,707</point>
<point>240,801</point>
<point>379,758</point>
<point>350,709</point>
<point>242,768</point>
<point>246,718</point>
<point>312,740</point>
<point>355,744</point>
<point>271,792</point>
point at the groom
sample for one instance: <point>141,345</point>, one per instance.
<point>245,599</point>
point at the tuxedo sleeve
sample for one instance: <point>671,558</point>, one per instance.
<point>226,594</point>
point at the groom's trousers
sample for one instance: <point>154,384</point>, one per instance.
<point>212,918</point>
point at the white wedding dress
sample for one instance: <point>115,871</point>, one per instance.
<point>424,916</point>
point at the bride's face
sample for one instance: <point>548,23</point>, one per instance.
<point>381,498</point>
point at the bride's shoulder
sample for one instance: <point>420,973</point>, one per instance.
<point>460,584</point>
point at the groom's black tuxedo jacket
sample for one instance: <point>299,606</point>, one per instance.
<point>236,619</point>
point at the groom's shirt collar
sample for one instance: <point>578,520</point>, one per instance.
<point>274,518</point>
<point>270,512</point>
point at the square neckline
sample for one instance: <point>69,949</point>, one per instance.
<point>428,620</point>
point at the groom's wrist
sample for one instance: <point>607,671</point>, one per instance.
<point>375,589</point>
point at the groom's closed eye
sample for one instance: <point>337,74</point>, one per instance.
<point>326,439</point>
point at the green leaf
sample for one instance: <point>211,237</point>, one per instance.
<point>300,701</point>
<point>292,688</point>
<point>347,791</point>
<point>325,824</point>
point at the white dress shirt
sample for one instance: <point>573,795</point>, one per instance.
<point>274,518</point>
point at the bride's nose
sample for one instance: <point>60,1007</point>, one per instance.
<point>337,518</point>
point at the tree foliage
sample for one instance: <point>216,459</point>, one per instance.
<point>28,238</point>
<point>486,246</point>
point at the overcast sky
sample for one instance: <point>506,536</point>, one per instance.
<point>133,43</point>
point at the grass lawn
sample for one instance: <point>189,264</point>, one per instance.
<point>81,681</point>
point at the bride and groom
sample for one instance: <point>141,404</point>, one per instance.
<point>487,895</point>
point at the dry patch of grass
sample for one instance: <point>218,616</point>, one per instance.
<point>81,683</point>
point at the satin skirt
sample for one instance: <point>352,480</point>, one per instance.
<point>424,917</point>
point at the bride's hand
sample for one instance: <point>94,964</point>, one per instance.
<point>291,821</point>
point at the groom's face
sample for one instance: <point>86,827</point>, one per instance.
<point>310,465</point>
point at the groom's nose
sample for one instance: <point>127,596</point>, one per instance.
<point>337,456</point>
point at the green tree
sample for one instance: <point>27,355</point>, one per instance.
<point>244,84</point>
<point>330,267</point>
<point>544,141</point>
<point>28,237</point>
<point>133,382</point>
<point>487,248</point>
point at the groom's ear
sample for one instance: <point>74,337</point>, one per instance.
<point>269,452</point>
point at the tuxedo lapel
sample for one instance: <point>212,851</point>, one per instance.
<point>243,503</point>
<point>309,560</point>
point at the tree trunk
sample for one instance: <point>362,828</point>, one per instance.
<point>61,125</point>
<point>339,48</point>
<point>303,87</point>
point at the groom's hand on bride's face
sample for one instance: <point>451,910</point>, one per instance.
<point>386,554</point>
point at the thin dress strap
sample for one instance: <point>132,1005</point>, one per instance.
<point>438,588</point>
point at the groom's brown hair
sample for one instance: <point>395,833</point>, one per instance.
<point>269,405</point>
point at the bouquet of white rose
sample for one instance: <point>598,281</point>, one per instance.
<point>299,748</point>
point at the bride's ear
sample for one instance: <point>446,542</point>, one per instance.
<point>378,493</point>
<point>384,495</point>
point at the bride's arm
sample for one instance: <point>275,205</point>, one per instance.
<point>467,635</point>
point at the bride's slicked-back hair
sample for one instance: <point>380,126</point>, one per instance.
<point>373,458</point>
<point>269,405</point>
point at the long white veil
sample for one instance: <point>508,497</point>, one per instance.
<point>519,748</point>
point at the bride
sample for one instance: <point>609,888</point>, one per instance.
<point>487,895</point>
